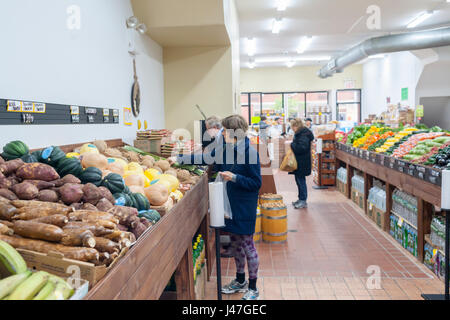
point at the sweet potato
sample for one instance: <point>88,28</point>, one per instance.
<point>66,179</point>
<point>41,185</point>
<point>5,183</point>
<point>11,166</point>
<point>2,160</point>
<point>8,194</point>
<point>30,213</point>
<point>126,215</point>
<point>38,230</point>
<point>138,229</point>
<point>37,171</point>
<point>97,230</point>
<point>104,205</point>
<point>41,205</point>
<point>92,216</point>
<point>25,191</point>
<point>89,207</point>
<point>91,194</point>
<point>7,211</point>
<point>107,194</point>
<point>76,253</point>
<point>78,238</point>
<point>58,220</point>
<point>71,193</point>
<point>121,227</point>
<point>48,196</point>
<point>105,245</point>
<point>9,224</point>
<point>5,230</point>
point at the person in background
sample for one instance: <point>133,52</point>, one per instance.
<point>289,130</point>
<point>301,146</point>
<point>264,129</point>
<point>214,130</point>
<point>243,177</point>
<point>308,123</point>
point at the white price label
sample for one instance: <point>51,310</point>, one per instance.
<point>39,107</point>
<point>400,222</point>
<point>115,113</point>
<point>105,112</point>
<point>27,106</point>
<point>14,106</point>
<point>74,110</point>
<point>370,206</point>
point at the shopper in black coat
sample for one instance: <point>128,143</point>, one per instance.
<point>301,146</point>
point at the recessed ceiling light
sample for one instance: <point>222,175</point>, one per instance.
<point>290,63</point>
<point>281,5</point>
<point>276,26</point>
<point>251,47</point>
<point>419,19</point>
<point>304,44</point>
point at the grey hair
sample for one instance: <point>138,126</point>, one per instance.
<point>213,122</point>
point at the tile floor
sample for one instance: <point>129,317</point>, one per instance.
<point>331,253</point>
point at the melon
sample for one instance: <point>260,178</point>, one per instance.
<point>163,164</point>
<point>89,148</point>
<point>152,174</point>
<point>137,189</point>
<point>157,194</point>
<point>164,183</point>
<point>173,181</point>
<point>94,160</point>
<point>116,167</point>
<point>134,180</point>
<point>73,155</point>
<point>134,166</point>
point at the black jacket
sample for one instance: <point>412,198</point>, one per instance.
<point>301,146</point>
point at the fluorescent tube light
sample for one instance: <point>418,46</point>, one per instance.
<point>281,5</point>
<point>377,56</point>
<point>290,63</point>
<point>288,59</point>
<point>304,44</point>
<point>419,19</point>
<point>251,47</point>
<point>276,26</point>
<point>251,65</point>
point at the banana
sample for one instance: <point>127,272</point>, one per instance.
<point>45,291</point>
<point>30,287</point>
<point>61,292</point>
<point>12,260</point>
<point>57,279</point>
<point>9,284</point>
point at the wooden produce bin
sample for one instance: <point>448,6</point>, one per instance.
<point>145,270</point>
<point>358,198</point>
<point>151,146</point>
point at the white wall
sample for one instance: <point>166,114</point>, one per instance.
<point>386,77</point>
<point>42,60</point>
<point>436,111</point>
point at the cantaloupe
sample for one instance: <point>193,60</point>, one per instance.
<point>94,160</point>
<point>89,148</point>
<point>157,194</point>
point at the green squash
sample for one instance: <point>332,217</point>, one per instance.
<point>69,166</point>
<point>91,175</point>
<point>114,182</point>
<point>29,158</point>
<point>141,201</point>
<point>14,150</point>
<point>128,202</point>
<point>52,155</point>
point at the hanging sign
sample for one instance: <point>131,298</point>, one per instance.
<point>419,111</point>
<point>14,106</point>
<point>127,117</point>
<point>405,94</point>
<point>105,112</point>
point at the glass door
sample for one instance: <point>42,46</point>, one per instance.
<point>272,106</point>
<point>317,107</point>
<point>348,104</point>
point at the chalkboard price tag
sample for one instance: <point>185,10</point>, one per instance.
<point>106,112</point>
<point>106,119</point>
<point>14,106</point>
<point>116,119</point>
<point>27,106</point>
<point>75,118</point>
<point>74,110</point>
<point>91,119</point>
<point>90,110</point>
<point>116,113</point>
<point>39,107</point>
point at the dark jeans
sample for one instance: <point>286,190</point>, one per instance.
<point>302,190</point>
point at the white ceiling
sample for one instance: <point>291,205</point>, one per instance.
<point>333,23</point>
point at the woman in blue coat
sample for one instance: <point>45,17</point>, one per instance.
<point>238,163</point>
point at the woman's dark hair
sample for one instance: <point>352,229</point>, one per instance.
<point>237,124</point>
<point>263,118</point>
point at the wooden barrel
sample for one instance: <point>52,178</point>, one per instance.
<point>257,234</point>
<point>269,198</point>
<point>274,224</point>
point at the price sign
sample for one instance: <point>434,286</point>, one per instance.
<point>91,119</point>
<point>75,118</point>
<point>39,107</point>
<point>116,119</point>
<point>74,110</point>
<point>14,106</point>
<point>90,110</point>
<point>115,113</point>
<point>27,107</point>
<point>105,112</point>
<point>400,222</point>
<point>106,119</point>
<point>419,111</point>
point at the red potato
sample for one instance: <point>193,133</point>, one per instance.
<point>48,196</point>
<point>37,171</point>
<point>11,166</point>
<point>138,230</point>
<point>8,194</point>
<point>104,205</point>
<point>71,193</point>
<point>25,191</point>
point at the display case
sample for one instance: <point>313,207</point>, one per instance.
<point>324,164</point>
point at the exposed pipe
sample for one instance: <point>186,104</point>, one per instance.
<point>387,44</point>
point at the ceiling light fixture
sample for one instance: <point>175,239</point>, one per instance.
<point>141,28</point>
<point>132,22</point>
<point>251,63</point>
<point>419,19</point>
<point>276,26</point>
<point>377,56</point>
<point>281,5</point>
<point>288,59</point>
<point>304,44</point>
<point>290,63</point>
<point>251,47</point>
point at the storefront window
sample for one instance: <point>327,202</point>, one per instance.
<point>317,107</point>
<point>295,105</point>
<point>349,105</point>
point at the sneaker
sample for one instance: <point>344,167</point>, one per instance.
<point>234,286</point>
<point>251,295</point>
<point>294,203</point>
<point>301,205</point>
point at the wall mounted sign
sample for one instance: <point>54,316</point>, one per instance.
<point>127,117</point>
<point>27,106</point>
<point>135,93</point>
<point>90,111</point>
<point>14,106</point>
<point>105,112</point>
<point>39,107</point>
<point>405,94</point>
<point>419,111</point>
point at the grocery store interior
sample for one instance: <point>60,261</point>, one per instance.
<point>104,103</point>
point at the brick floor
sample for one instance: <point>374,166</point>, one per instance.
<point>328,255</point>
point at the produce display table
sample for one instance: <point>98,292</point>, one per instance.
<point>146,269</point>
<point>427,193</point>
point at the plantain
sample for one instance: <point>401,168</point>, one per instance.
<point>30,287</point>
<point>11,259</point>
<point>45,291</point>
<point>8,285</point>
<point>61,292</point>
